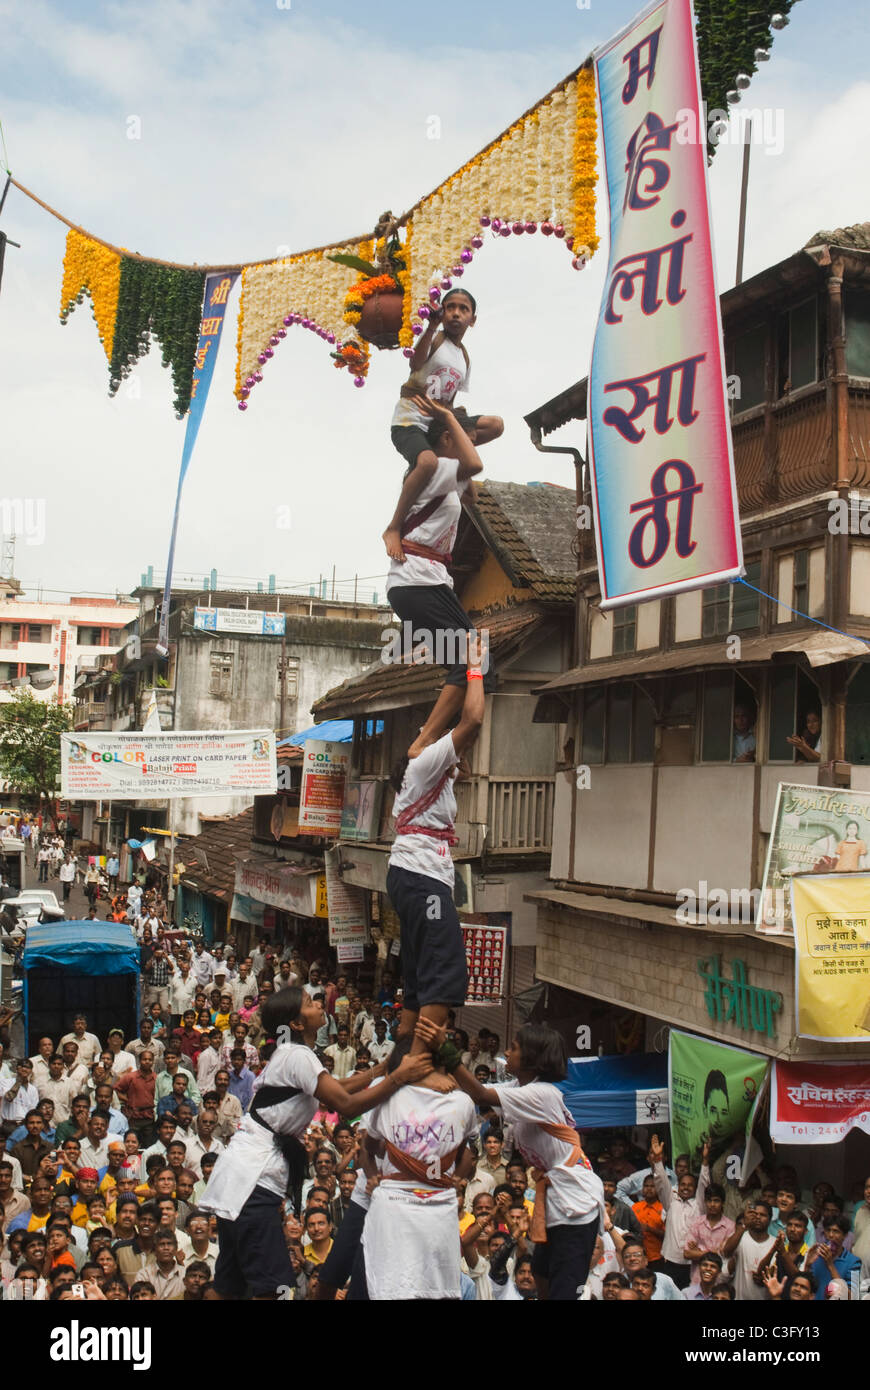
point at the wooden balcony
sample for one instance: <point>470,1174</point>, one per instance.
<point>520,815</point>
<point>785,450</point>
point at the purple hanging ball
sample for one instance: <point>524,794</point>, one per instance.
<point>261,358</point>
<point>330,337</point>
<point>258,376</point>
<point>477,242</point>
<point>569,242</point>
<point>518,228</point>
<point>282,332</point>
<point>288,319</point>
<point>407,352</point>
<point>416,329</point>
<point>559,230</point>
<point>359,381</point>
<point>434,294</point>
<point>243,405</point>
<point>270,352</point>
<point>273,341</point>
<point>245,392</point>
<point>458,270</point>
<point>424,311</point>
<point>446,283</point>
<point>485,221</point>
<point>547,228</point>
<point>466,256</point>
<point>504,231</point>
<point>249,381</point>
<point>531,227</point>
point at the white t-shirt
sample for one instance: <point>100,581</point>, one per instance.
<point>446,375</point>
<point>411,1235</point>
<point>437,531</point>
<point>575,1195</point>
<point>251,1159</point>
<point>422,854</point>
<point>422,1123</point>
<point>749,1256</point>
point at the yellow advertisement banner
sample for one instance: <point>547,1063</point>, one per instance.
<point>831,915</point>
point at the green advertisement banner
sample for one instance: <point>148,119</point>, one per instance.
<point>712,1090</point>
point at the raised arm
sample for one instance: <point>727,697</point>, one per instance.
<point>468,728</point>
<point>336,1097</point>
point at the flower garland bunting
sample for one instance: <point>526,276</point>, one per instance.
<point>538,176</point>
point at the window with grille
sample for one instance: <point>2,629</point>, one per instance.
<point>221,674</point>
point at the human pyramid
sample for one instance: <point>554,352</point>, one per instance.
<point>400,1238</point>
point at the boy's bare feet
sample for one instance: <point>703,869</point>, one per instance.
<point>393,541</point>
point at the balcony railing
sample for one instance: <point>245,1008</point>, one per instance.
<point>520,814</point>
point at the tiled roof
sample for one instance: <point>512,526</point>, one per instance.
<point>399,684</point>
<point>217,846</point>
<point>856,238</point>
<point>531,529</point>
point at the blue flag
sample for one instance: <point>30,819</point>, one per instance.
<point>217,292</point>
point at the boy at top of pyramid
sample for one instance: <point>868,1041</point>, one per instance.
<point>440,368</point>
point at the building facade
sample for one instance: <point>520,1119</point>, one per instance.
<point>680,711</point>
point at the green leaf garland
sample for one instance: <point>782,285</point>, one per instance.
<point>729,31</point>
<point>154,299</point>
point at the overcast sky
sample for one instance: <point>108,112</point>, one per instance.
<point>266,127</point>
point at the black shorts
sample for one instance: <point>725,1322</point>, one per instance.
<point>435,609</point>
<point>253,1260</point>
<point>433,953</point>
<point>411,441</point>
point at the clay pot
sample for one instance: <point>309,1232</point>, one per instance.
<point>381,319</point>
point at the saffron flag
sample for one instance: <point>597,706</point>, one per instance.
<point>214,307</point>
<point>663,488</point>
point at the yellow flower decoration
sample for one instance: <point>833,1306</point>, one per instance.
<point>92,269</point>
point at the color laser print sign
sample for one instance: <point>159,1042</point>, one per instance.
<point>147,767</point>
<point>663,486</point>
<point>324,770</point>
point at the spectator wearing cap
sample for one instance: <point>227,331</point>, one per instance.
<point>122,1060</point>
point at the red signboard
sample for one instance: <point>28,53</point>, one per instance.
<point>819,1102</point>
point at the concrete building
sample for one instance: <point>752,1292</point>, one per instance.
<point>44,645</point>
<point>230,666</point>
<point>660,799</point>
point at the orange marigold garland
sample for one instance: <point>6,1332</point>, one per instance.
<point>91,269</point>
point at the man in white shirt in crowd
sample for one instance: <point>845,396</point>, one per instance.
<point>209,1061</point>
<point>18,1097</point>
<point>146,1040</point>
<point>95,1148</point>
<point>44,1052</point>
<point>74,1069</point>
<point>58,1088</point>
<point>380,1049</point>
<point>88,1043</point>
<point>679,1213</point>
<point>343,1055</point>
<point>182,988</point>
<point>243,985</point>
<point>752,1245</point>
<point>202,964</point>
<point>123,1061</point>
<point>204,1141</point>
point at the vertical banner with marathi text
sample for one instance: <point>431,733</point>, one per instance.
<point>321,797</point>
<point>831,914</point>
<point>348,916</point>
<point>214,308</point>
<point>663,487</point>
<point>712,1092</point>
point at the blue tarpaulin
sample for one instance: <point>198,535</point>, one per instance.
<point>611,1092</point>
<point>331,731</point>
<point>85,948</point>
